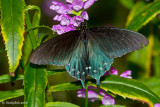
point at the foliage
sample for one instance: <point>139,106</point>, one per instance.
<point>21,35</point>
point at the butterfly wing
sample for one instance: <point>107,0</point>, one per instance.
<point>99,62</point>
<point>56,51</point>
<point>115,42</point>
<point>78,63</point>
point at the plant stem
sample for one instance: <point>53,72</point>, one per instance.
<point>86,98</point>
<point>31,33</point>
<point>49,93</point>
<point>34,28</point>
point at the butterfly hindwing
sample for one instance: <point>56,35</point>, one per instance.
<point>77,65</point>
<point>99,62</point>
<point>115,42</point>
<point>56,51</point>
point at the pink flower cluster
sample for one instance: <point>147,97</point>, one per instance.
<point>102,95</point>
<point>72,7</point>
<point>92,95</point>
<point>113,71</point>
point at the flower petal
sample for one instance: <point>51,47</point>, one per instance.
<point>77,5</point>
<point>108,100</point>
<point>65,19</point>
<point>60,29</point>
<point>84,15</point>
<point>92,95</point>
<point>60,8</point>
<point>157,105</point>
<point>69,1</point>
<point>113,71</point>
<point>126,74</point>
<point>76,20</point>
<point>88,3</point>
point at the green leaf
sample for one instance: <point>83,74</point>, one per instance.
<point>12,25</point>
<point>66,87</point>
<point>61,104</point>
<point>156,52</point>
<point>7,78</point>
<point>127,3</point>
<point>27,44</point>
<point>129,88</point>
<point>53,72</point>
<point>5,95</point>
<point>144,15</point>
<point>137,7</point>
<point>35,82</point>
<point>153,83</point>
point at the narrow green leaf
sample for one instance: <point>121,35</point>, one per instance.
<point>35,82</point>
<point>61,104</point>
<point>66,87</point>
<point>137,7</point>
<point>153,83</point>
<point>130,88</point>
<point>36,18</point>
<point>12,20</point>
<point>35,22</point>
<point>127,3</point>
<point>5,95</point>
<point>27,49</point>
<point>144,15</point>
<point>53,72</point>
<point>7,78</point>
<point>27,44</point>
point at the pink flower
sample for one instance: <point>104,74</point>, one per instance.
<point>76,20</point>
<point>88,3</point>
<point>93,95</point>
<point>60,29</point>
<point>60,8</point>
<point>84,15</point>
<point>77,5</point>
<point>126,74</point>
<point>157,105</point>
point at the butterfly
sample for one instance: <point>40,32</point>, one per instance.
<point>88,51</point>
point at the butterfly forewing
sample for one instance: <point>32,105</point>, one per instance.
<point>115,42</point>
<point>56,51</point>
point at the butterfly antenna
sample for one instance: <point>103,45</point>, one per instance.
<point>83,83</point>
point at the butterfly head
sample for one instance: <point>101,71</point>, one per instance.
<point>83,26</point>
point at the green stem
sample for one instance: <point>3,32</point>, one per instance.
<point>34,28</point>
<point>49,94</point>
<point>86,98</point>
<point>31,33</point>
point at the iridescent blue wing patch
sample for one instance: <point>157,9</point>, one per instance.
<point>78,63</point>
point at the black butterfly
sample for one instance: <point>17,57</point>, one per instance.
<point>88,51</point>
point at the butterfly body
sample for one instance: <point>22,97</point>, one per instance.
<point>88,51</point>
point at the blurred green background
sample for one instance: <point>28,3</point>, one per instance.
<point>143,63</point>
